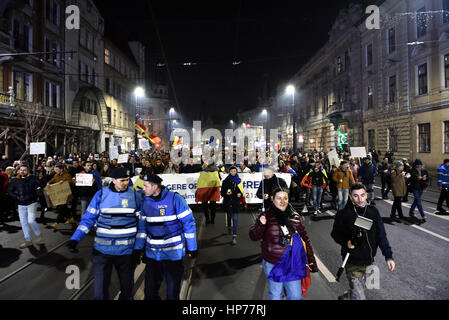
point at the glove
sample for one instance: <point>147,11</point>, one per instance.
<point>192,254</point>
<point>313,267</point>
<point>72,246</point>
<point>137,256</point>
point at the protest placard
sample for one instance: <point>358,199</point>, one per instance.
<point>113,152</point>
<point>333,158</point>
<point>58,194</point>
<point>123,158</point>
<point>358,152</point>
<point>84,179</point>
<point>37,147</point>
<point>144,144</point>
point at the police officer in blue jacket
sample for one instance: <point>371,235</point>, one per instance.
<point>166,227</point>
<point>114,212</point>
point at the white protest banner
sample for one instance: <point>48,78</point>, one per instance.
<point>113,152</point>
<point>84,179</point>
<point>358,152</point>
<point>197,152</point>
<point>144,144</point>
<point>123,158</point>
<point>37,147</point>
<point>185,184</point>
<point>333,158</point>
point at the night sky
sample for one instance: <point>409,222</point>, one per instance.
<point>271,39</point>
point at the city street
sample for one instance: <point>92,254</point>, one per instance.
<point>223,271</point>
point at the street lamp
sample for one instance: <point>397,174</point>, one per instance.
<point>291,90</point>
<point>139,92</point>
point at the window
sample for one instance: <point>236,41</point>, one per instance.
<point>339,65</point>
<point>52,95</point>
<point>392,89</point>
<point>392,139</point>
<point>325,104</point>
<point>371,139</point>
<point>126,124</point>
<point>446,71</point>
<point>424,137</point>
<point>369,55</point>
<point>347,60</point>
<point>346,94</point>
<point>107,56</point>
<point>445,11</point>
<point>108,114</point>
<point>446,136</point>
<point>391,40</point>
<point>370,97</point>
<point>28,87</point>
<point>89,40</point>
<point>22,36</point>
<point>421,22</point>
<point>23,86</point>
<point>52,46</point>
<point>108,85</point>
<point>422,79</point>
<point>52,12</point>
<point>115,117</point>
<point>121,119</point>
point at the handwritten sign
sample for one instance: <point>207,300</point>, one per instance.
<point>358,152</point>
<point>37,147</point>
<point>123,158</point>
<point>58,194</point>
<point>113,152</point>
<point>144,144</point>
<point>84,179</point>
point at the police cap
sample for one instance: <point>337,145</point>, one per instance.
<point>153,178</point>
<point>119,173</point>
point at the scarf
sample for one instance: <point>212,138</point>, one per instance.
<point>281,216</point>
<point>236,179</point>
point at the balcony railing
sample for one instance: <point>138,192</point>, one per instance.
<point>339,107</point>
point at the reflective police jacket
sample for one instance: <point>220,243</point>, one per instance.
<point>165,224</point>
<point>115,217</point>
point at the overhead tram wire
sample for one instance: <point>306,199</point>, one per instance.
<point>170,78</point>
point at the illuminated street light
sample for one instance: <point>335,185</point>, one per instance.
<point>139,92</point>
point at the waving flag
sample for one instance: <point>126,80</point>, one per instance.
<point>176,141</point>
<point>208,186</point>
<point>141,129</point>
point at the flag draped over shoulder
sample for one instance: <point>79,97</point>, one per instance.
<point>239,184</point>
<point>307,281</point>
<point>208,186</point>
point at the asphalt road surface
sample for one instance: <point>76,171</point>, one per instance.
<point>223,271</point>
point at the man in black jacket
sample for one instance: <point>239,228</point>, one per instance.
<point>24,190</point>
<point>231,194</point>
<point>270,182</point>
<point>384,172</point>
<point>360,243</point>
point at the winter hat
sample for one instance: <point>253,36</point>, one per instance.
<point>418,162</point>
<point>399,163</point>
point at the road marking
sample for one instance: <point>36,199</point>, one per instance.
<point>330,213</point>
<point>429,213</point>
<point>430,232</point>
<point>411,196</point>
<point>140,268</point>
<point>325,271</point>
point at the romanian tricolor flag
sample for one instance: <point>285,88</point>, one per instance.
<point>176,141</point>
<point>141,129</point>
<point>307,281</point>
<point>208,186</point>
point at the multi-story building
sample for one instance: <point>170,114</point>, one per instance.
<point>122,77</point>
<point>327,89</point>
<point>409,81</point>
<point>31,82</point>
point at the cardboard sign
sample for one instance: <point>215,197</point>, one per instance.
<point>123,158</point>
<point>84,179</point>
<point>358,152</point>
<point>144,144</point>
<point>333,158</point>
<point>37,147</point>
<point>113,152</point>
<point>58,194</point>
<point>197,152</point>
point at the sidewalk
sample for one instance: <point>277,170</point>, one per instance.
<point>226,272</point>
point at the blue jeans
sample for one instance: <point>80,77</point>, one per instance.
<point>27,216</point>
<point>342,198</point>
<point>84,204</point>
<point>234,216</point>
<point>309,195</point>
<point>417,203</point>
<point>275,289</point>
<point>317,191</point>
